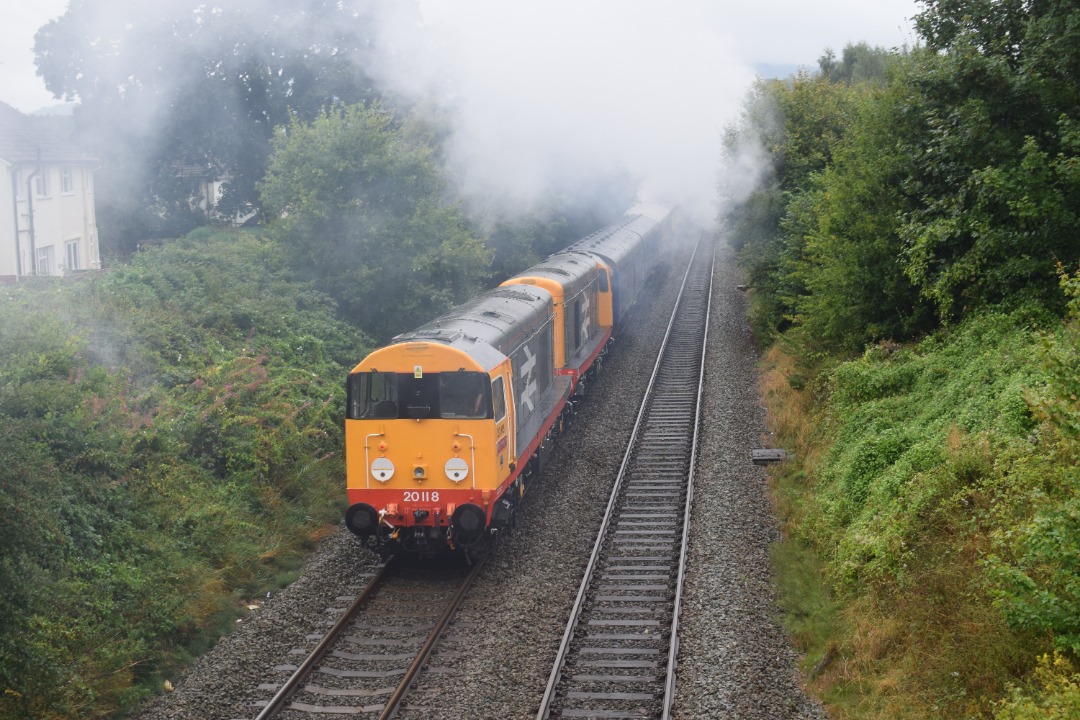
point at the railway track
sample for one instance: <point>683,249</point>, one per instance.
<point>618,653</point>
<point>366,663</point>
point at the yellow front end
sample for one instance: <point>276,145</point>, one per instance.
<point>428,443</point>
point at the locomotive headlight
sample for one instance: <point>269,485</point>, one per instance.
<point>457,469</point>
<point>382,469</point>
<point>419,472</point>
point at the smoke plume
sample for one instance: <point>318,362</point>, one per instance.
<point>555,96</point>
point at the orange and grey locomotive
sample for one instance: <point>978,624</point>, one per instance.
<point>446,427</point>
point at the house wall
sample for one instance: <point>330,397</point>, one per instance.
<point>65,225</point>
<point>7,223</point>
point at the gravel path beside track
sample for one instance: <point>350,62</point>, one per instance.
<point>734,660</point>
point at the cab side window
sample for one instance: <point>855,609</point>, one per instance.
<point>498,397</point>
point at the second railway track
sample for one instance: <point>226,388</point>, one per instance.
<point>617,657</point>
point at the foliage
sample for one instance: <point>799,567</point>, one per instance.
<point>859,63</point>
<point>171,439</point>
<point>910,262</point>
<point>997,94</point>
<point>173,93</point>
<point>946,181</point>
<point>855,291</point>
<point>357,199</point>
<point>798,124</point>
<point>1039,588</point>
<point>1053,693</point>
<point>941,500</point>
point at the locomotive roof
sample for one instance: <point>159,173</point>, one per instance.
<point>489,326</point>
<point>569,269</point>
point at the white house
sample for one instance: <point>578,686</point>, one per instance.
<point>47,220</point>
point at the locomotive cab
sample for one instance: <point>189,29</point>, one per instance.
<point>427,446</point>
<point>448,425</point>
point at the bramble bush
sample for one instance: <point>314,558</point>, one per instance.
<point>1040,585</point>
<point>171,438</point>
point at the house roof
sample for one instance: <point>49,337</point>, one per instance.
<point>24,139</point>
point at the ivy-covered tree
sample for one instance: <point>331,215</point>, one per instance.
<point>359,200</point>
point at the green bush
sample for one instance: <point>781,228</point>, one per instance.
<point>1052,693</point>
<point>171,438</point>
<point>1039,566</point>
<point>946,503</point>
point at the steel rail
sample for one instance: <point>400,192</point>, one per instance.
<point>580,600</point>
<point>396,698</point>
<point>286,691</point>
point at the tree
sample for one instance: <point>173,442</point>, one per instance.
<point>859,63</point>
<point>172,91</point>
<point>797,124</point>
<point>856,288</point>
<point>358,200</point>
<point>998,93</point>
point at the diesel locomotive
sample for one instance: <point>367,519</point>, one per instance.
<point>446,427</point>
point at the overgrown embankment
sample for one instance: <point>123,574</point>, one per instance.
<point>936,489</point>
<point>170,439</point>
<point>907,251</point>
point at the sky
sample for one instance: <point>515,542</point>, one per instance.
<point>568,88</point>
<point>778,32</point>
<point>19,84</point>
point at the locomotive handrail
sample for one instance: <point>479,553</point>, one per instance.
<point>472,450</point>
<point>579,602</point>
<point>367,457</point>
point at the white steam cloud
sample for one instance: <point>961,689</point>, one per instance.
<point>553,95</point>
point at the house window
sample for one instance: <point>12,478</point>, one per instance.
<point>41,184</point>
<point>67,181</point>
<point>46,260</point>
<point>72,248</point>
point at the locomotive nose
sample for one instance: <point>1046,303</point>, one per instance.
<point>362,519</point>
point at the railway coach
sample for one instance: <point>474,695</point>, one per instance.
<point>448,424</point>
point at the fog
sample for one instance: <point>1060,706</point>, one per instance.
<point>556,96</point>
